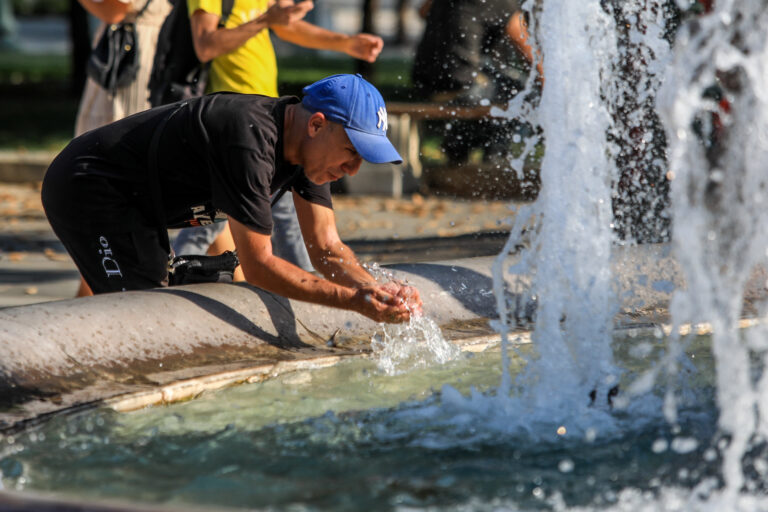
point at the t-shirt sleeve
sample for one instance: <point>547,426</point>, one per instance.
<point>209,6</point>
<point>241,188</point>
<point>317,194</point>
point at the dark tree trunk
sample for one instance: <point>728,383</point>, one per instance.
<point>81,45</point>
<point>367,69</point>
<point>641,194</point>
<point>400,36</point>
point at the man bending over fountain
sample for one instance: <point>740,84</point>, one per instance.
<point>113,192</point>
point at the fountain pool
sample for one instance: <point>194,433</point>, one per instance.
<point>352,437</point>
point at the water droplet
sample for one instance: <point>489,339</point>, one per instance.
<point>565,466</point>
<point>659,446</point>
<point>684,444</point>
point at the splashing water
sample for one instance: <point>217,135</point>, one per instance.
<point>568,248</point>
<point>417,344</point>
<point>402,348</point>
<point>718,143</point>
<point>718,150</point>
<point>719,190</point>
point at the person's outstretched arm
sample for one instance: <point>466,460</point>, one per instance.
<point>302,33</point>
<point>210,40</point>
<point>272,273</point>
<point>517,30</point>
<point>109,11</point>
<point>336,260</point>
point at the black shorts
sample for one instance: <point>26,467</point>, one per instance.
<point>117,262</point>
<point>104,226</point>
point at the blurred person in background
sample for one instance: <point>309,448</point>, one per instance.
<point>98,106</point>
<point>471,51</point>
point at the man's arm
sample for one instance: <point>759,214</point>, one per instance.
<point>210,40</point>
<point>335,260</point>
<point>330,256</point>
<point>109,11</point>
<point>360,46</point>
<point>274,274</point>
<point>517,30</point>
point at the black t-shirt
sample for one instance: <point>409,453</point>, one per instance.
<point>220,152</point>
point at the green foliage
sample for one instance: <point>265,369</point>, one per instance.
<point>391,76</point>
<point>37,117</point>
<point>17,69</point>
<point>40,7</point>
<point>37,108</point>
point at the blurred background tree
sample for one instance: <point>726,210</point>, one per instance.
<point>40,7</point>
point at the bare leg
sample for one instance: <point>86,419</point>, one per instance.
<point>224,242</point>
<point>84,290</point>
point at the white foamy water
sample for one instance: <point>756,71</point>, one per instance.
<point>400,348</point>
<point>720,227</point>
<point>720,219</point>
<point>717,154</point>
<point>568,249</point>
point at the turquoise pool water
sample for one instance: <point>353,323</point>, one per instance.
<point>353,438</point>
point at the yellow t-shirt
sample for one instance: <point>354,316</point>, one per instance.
<point>252,68</point>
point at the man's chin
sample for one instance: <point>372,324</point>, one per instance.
<point>327,179</point>
<point>318,180</point>
<point>323,178</point>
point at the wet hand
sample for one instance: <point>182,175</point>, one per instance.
<point>406,294</point>
<point>381,305</point>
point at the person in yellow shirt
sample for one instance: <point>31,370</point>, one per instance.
<point>243,60</point>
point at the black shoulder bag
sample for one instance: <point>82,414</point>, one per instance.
<point>192,269</point>
<point>177,74</point>
<point>114,61</point>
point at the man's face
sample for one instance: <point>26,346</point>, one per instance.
<point>329,155</point>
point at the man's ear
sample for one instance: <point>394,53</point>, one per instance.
<point>317,122</point>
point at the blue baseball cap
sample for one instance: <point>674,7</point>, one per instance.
<point>355,104</point>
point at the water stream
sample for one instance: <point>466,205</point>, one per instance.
<point>716,115</point>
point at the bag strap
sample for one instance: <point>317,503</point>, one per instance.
<point>154,179</point>
<point>285,187</point>
<point>226,10</point>
<point>138,14</point>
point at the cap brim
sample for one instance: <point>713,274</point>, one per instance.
<point>374,148</point>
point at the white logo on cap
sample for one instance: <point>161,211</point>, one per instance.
<point>382,119</point>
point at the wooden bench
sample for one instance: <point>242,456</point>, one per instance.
<point>408,115</point>
<point>421,111</point>
<point>403,119</point>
